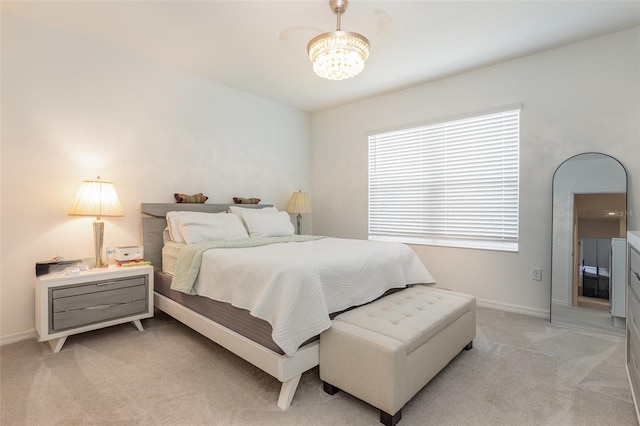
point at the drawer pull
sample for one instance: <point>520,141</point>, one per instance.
<point>105,283</point>
<point>90,308</point>
<point>96,307</point>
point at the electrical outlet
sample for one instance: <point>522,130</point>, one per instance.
<point>536,274</point>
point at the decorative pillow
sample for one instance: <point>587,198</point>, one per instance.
<point>196,227</point>
<point>268,224</point>
<point>195,198</point>
<point>239,200</point>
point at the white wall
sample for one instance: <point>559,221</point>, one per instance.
<point>73,110</point>
<point>579,98</point>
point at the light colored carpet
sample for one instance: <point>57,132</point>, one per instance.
<point>521,371</point>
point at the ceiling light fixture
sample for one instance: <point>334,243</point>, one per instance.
<point>338,55</point>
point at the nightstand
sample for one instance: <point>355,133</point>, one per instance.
<point>96,298</point>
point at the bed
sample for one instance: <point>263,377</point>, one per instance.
<point>269,339</point>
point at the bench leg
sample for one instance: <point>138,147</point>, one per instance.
<point>330,389</point>
<point>469,346</point>
<point>388,420</point>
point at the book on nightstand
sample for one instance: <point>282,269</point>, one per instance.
<point>132,263</point>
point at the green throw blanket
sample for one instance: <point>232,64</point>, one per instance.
<point>190,257</point>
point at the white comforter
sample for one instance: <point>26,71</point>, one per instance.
<point>294,286</point>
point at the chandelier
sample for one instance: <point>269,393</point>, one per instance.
<point>338,54</point>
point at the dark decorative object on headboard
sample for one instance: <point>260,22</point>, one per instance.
<point>239,200</point>
<point>195,198</point>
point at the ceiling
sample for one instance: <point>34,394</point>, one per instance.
<point>260,46</point>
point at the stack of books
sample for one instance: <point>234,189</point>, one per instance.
<point>131,263</point>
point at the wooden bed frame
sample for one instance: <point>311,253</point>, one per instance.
<point>286,369</point>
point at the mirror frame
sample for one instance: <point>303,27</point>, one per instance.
<point>554,236</point>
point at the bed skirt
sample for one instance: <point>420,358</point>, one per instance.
<point>236,319</point>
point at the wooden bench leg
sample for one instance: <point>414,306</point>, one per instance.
<point>469,346</point>
<point>388,420</point>
<point>330,389</point>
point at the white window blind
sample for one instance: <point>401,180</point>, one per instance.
<point>452,183</point>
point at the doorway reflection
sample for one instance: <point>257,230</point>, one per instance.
<point>597,226</point>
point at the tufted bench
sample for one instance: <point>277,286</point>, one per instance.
<point>386,351</point>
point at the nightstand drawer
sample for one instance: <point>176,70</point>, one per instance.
<point>97,286</point>
<point>632,364</point>
<point>96,302</point>
<point>634,270</point>
<point>633,313</point>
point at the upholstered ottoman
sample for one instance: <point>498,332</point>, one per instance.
<point>386,351</point>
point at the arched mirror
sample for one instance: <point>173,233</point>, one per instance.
<point>588,259</point>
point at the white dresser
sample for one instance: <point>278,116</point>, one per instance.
<point>633,315</point>
<point>618,272</point>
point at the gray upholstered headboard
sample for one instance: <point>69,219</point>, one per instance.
<point>154,222</point>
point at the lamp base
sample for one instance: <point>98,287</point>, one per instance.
<point>98,241</point>
<point>298,224</point>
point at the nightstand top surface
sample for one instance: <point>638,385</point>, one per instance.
<point>96,274</point>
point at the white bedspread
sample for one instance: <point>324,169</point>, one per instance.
<point>294,286</point>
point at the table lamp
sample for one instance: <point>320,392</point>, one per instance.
<point>97,198</point>
<point>299,203</point>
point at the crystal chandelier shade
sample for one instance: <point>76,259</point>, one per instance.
<point>338,55</point>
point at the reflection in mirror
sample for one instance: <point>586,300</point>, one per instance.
<point>588,243</point>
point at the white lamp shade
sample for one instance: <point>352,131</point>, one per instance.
<point>299,203</point>
<point>96,198</point>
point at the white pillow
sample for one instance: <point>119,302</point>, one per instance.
<point>270,224</point>
<point>176,219</point>
<point>200,227</point>
<point>173,225</point>
<point>239,211</point>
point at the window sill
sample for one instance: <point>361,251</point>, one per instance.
<point>466,244</point>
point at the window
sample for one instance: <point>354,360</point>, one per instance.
<point>452,183</point>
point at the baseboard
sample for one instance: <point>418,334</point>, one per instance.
<point>508,307</point>
<point>13,338</point>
